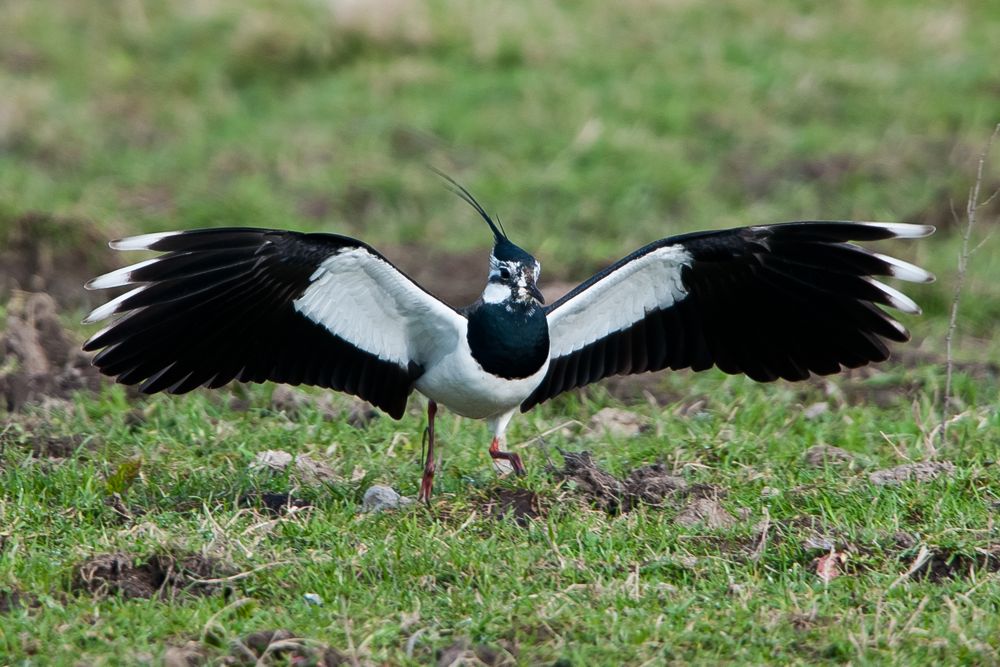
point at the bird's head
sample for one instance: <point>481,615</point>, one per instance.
<point>513,275</point>
<point>513,272</point>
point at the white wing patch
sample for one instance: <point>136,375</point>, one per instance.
<point>619,300</point>
<point>367,302</point>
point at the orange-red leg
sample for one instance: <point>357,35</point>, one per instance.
<point>427,481</point>
<point>514,459</point>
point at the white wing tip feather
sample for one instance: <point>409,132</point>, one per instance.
<point>111,307</point>
<point>118,277</point>
<point>906,271</point>
<point>897,299</point>
<point>141,242</point>
<point>903,230</point>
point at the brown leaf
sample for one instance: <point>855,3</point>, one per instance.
<point>830,566</point>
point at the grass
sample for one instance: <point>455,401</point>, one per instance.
<point>605,124</point>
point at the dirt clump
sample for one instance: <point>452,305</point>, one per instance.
<point>819,456</point>
<point>650,484</point>
<point>293,402</point>
<point>268,647</point>
<point>161,575</point>
<point>912,472</point>
<point>41,252</point>
<point>32,432</point>
<point>705,511</point>
<point>618,423</point>
<point>12,599</point>
<point>39,360</point>
<point>191,654</point>
<point>945,564</point>
<point>275,504</point>
<point>464,652</point>
<point>600,487</point>
<point>521,505</point>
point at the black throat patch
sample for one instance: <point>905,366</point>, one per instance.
<point>510,339</point>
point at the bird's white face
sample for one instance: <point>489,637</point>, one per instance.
<point>512,280</point>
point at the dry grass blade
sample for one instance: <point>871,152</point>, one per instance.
<point>971,207</point>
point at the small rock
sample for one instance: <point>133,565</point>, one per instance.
<point>769,492</point>
<point>821,455</point>
<point>915,472</point>
<point>617,423</point>
<point>313,599</point>
<point>192,654</point>
<point>705,511</point>
<point>314,472</point>
<point>275,460</point>
<point>816,409</point>
<point>904,540</point>
<point>463,652</point>
<point>380,497</point>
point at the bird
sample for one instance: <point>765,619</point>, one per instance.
<point>785,300</point>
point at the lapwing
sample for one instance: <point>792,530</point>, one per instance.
<point>772,301</point>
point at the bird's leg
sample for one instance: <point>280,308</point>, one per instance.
<point>511,457</point>
<point>427,481</point>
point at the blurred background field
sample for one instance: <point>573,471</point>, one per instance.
<point>589,128</point>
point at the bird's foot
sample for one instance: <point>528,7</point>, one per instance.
<point>426,486</point>
<point>510,457</point>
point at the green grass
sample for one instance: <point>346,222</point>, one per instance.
<point>590,128</point>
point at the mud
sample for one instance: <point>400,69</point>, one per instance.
<point>161,576</point>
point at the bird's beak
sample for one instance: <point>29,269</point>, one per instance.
<point>535,292</point>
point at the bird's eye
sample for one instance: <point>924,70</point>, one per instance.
<point>504,274</point>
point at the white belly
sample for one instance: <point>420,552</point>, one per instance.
<point>459,383</point>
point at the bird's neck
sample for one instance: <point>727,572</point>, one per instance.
<point>509,339</point>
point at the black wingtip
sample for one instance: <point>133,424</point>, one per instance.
<point>498,231</point>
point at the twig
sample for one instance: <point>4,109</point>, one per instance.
<point>971,206</point>
<point>922,557</point>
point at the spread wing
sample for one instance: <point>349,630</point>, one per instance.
<point>260,304</point>
<point>776,301</point>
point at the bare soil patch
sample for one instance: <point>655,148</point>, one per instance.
<point>945,564</point>
<point>521,505</point>
<point>12,599</point>
<point>268,647</point>
<point>333,407</point>
<point>161,575</point>
<point>912,472</point>
<point>275,504</point>
<point>39,360</point>
<point>646,485</point>
<point>41,438</point>
<point>41,252</point>
<point>463,652</point>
